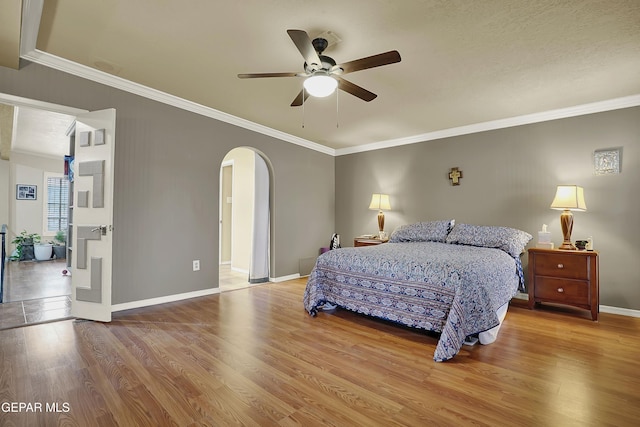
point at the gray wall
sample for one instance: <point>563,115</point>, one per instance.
<point>167,166</point>
<point>510,176</point>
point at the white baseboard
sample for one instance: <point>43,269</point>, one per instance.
<point>284,278</point>
<point>179,297</point>
<point>621,311</point>
<point>603,308</point>
<point>163,300</point>
<point>187,295</point>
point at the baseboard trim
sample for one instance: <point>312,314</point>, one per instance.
<point>621,311</point>
<point>163,300</point>
<point>602,309</point>
<point>179,297</point>
<point>284,278</point>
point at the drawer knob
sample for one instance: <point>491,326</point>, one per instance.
<point>560,265</point>
<point>560,290</point>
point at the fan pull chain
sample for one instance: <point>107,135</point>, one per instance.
<point>303,107</point>
<point>337,110</point>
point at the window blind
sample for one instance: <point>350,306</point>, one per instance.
<point>57,203</point>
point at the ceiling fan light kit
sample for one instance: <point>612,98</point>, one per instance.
<point>322,75</point>
<point>320,84</point>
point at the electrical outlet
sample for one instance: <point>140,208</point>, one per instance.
<point>196,265</point>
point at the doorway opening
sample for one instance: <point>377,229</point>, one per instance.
<point>32,149</point>
<point>245,219</point>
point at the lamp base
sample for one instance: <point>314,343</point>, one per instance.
<point>567,246</point>
<point>381,222</point>
<point>566,223</point>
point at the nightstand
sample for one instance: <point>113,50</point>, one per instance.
<point>564,277</point>
<point>361,241</point>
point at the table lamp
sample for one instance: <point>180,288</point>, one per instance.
<point>568,198</point>
<point>380,202</point>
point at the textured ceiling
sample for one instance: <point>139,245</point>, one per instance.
<point>463,62</point>
<point>41,132</point>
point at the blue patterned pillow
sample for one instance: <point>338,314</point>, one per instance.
<point>510,240</point>
<point>431,231</point>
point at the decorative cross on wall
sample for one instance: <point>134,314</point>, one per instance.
<point>455,176</point>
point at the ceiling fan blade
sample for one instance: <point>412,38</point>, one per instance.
<point>258,75</point>
<point>299,99</point>
<point>303,43</point>
<point>355,90</point>
<point>378,60</point>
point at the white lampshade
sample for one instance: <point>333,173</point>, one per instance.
<point>569,197</point>
<point>380,202</point>
<point>320,85</point>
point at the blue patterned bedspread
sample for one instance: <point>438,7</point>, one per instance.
<point>451,289</point>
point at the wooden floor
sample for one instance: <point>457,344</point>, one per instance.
<point>255,357</point>
<point>38,292</point>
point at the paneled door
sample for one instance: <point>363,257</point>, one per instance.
<point>92,215</point>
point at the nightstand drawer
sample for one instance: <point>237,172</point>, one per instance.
<point>559,265</point>
<point>564,277</point>
<point>562,291</point>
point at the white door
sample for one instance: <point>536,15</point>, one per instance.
<point>92,215</point>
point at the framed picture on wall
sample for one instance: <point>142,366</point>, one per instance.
<point>607,161</point>
<point>26,192</point>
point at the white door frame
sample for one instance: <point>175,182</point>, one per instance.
<point>271,205</point>
<point>18,101</point>
<point>227,163</point>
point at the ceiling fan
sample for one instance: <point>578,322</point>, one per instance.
<point>322,74</point>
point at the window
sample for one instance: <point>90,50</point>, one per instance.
<point>56,209</point>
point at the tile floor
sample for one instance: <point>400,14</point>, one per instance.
<point>29,312</point>
<point>35,292</point>
<point>27,280</point>
<point>232,280</point>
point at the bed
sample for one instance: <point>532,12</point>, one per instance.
<point>453,279</point>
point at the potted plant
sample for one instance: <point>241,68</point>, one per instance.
<point>60,245</point>
<point>24,246</point>
<point>41,250</point>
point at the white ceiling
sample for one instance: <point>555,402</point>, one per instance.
<point>464,62</point>
<point>41,132</point>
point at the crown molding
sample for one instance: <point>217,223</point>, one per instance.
<point>561,113</point>
<point>101,77</point>
<point>92,74</point>
<point>32,13</point>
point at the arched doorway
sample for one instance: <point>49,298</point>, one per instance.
<point>244,219</point>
